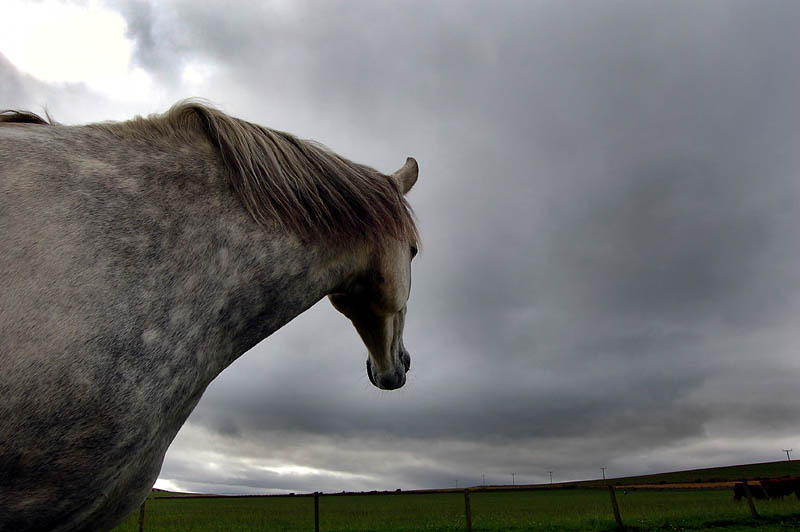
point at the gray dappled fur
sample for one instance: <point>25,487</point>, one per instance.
<point>138,260</point>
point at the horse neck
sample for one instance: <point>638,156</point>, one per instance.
<point>288,277</point>
<point>258,281</point>
<point>231,282</point>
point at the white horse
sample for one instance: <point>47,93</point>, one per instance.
<point>139,259</point>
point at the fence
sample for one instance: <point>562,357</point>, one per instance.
<point>470,509</point>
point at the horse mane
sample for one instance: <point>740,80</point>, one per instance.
<point>299,184</point>
<point>10,116</point>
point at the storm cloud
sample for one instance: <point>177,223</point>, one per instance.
<point>609,204</point>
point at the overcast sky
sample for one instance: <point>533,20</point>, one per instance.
<point>609,202</point>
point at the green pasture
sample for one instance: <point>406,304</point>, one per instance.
<point>507,511</point>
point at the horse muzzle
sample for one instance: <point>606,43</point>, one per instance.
<point>392,379</point>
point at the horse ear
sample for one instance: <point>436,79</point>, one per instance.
<point>407,175</point>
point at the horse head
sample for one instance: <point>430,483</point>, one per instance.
<point>375,298</point>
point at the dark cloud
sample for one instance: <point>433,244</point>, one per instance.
<point>150,52</point>
<point>609,203</point>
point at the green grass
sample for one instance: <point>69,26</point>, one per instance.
<point>224,514</point>
<point>507,511</point>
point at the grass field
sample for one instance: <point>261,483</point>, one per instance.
<point>512,511</point>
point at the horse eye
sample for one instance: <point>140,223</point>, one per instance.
<point>414,251</point>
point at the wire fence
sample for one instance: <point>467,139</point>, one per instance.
<point>472,509</point>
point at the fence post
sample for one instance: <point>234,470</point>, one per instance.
<point>750,502</point>
<point>316,511</point>
<point>615,507</point>
<point>141,516</point>
<point>468,510</point>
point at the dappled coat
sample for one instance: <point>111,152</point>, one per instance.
<point>139,259</point>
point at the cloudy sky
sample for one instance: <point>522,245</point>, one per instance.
<point>609,200</point>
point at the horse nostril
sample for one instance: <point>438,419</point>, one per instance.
<point>369,373</point>
<point>405,358</point>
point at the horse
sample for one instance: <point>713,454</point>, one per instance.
<point>769,488</point>
<point>139,259</point>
